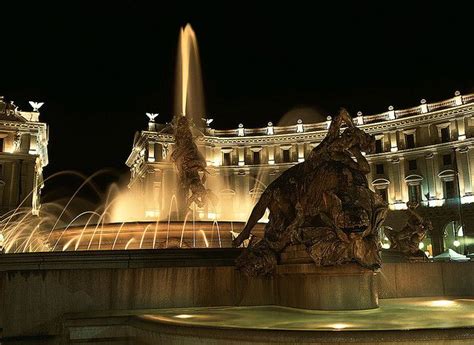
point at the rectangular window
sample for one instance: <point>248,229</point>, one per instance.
<point>378,146</point>
<point>445,137</point>
<point>383,193</point>
<point>1,144</point>
<point>256,157</point>
<point>449,190</point>
<point>227,160</point>
<point>286,156</point>
<point>379,169</point>
<point>447,159</point>
<point>410,140</point>
<point>414,193</point>
<point>412,164</point>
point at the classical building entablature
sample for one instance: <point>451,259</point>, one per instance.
<point>380,183</point>
<point>447,175</point>
<point>413,179</point>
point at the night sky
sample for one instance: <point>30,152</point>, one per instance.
<point>100,68</point>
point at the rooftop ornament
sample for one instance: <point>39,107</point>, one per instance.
<point>270,130</point>
<point>36,105</point>
<point>299,126</point>
<point>207,121</point>
<point>391,113</point>
<point>240,130</point>
<point>151,123</point>
<point>424,106</point>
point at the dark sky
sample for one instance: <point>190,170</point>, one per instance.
<point>100,68</point>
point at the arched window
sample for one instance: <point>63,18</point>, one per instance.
<point>453,237</point>
<point>381,187</point>
<point>414,187</point>
<point>448,177</point>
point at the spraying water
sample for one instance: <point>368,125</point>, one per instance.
<point>189,96</point>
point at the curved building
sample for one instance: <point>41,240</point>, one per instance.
<point>422,154</point>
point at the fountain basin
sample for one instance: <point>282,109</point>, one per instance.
<point>435,320</point>
<point>38,289</point>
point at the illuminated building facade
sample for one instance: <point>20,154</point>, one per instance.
<point>23,155</point>
<point>422,154</point>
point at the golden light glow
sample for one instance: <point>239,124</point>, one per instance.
<point>441,303</point>
<point>189,89</point>
<point>184,316</point>
<point>205,238</point>
<point>339,326</point>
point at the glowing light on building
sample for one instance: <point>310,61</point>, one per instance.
<point>152,213</point>
<point>435,202</point>
<point>467,199</point>
<point>183,316</point>
<point>421,245</point>
<point>456,243</point>
<point>398,205</point>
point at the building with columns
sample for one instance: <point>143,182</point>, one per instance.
<point>23,155</point>
<point>422,154</point>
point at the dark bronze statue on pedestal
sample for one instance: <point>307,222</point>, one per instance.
<point>407,240</point>
<point>324,204</point>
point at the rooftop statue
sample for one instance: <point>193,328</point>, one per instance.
<point>190,164</point>
<point>323,203</point>
<point>407,240</point>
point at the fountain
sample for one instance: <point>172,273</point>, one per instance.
<point>311,274</point>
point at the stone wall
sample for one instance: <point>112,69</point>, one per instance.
<point>36,290</point>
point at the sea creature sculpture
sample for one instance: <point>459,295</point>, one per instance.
<point>323,203</point>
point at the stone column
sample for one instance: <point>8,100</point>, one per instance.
<point>241,154</point>
<point>431,177</point>
<point>151,151</point>
<point>402,185</point>
<point>460,124</point>
<point>464,177</point>
<point>300,152</point>
<point>271,154</point>
<point>393,141</point>
<point>425,135</point>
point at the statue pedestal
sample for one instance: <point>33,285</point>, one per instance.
<point>302,284</point>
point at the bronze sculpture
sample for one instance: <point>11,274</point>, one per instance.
<point>190,164</point>
<point>407,240</point>
<point>323,203</point>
